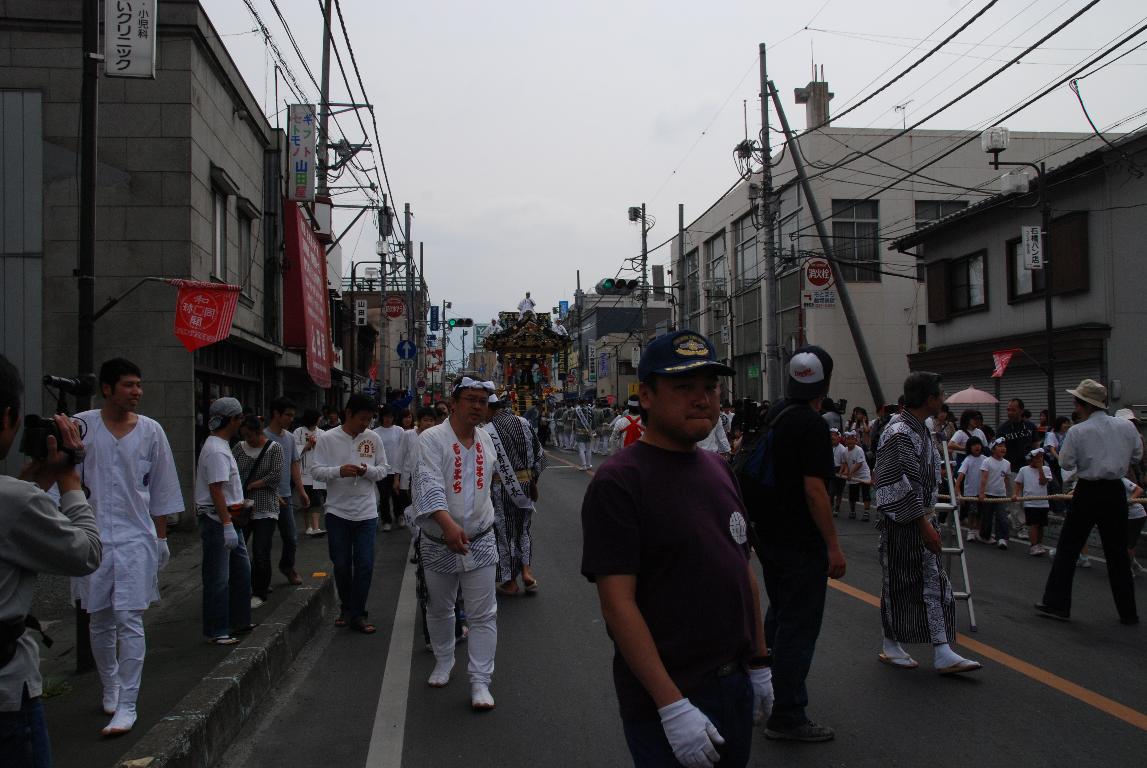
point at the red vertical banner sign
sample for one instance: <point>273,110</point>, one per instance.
<point>306,304</point>
<point>203,312</point>
<point>1001,360</point>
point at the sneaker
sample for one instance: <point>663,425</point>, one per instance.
<point>1053,613</point>
<point>989,541</point>
<point>809,731</point>
<point>1037,550</point>
<point>866,518</point>
<point>318,533</point>
<point>972,536</point>
<point>1002,544</point>
<point>386,527</point>
<point>309,532</point>
<point>1083,562</point>
<point>257,602</point>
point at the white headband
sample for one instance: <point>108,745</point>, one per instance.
<point>468,383</point>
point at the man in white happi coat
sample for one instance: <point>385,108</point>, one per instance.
<point>131,474</point>
<point>453,509</point>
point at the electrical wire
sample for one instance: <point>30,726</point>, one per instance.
<point>1133,167</point>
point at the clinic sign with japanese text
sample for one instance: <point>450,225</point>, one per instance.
<point>301,152</point>
<point>129,38</point>
<point>305,289</point>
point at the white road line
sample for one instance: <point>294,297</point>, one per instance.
<point>388,734</point>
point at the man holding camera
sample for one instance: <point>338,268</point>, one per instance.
<point>130,470</point>
<point>38,536</point>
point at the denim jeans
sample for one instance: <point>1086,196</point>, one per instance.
<point>260,536</point>
<point>796,581</point>
<point>997,515</point>
<point>351,547</point>
<point>289,535</point>
<point>24,736</point>
<point>726,701</point>
<point>226,582</point>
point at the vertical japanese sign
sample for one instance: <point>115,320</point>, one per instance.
<point>301,152</point>
<point>603,365</point>
<point>129,38</point>
<point>307,323</point>
<point>1032,247</point>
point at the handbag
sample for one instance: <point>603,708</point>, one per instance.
<point>241,517</point>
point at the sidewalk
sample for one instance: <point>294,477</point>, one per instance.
<point>177,678</point>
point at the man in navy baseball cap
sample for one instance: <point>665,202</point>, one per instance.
<point>677,353</point>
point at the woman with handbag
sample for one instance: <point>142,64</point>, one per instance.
<point>260,463</point>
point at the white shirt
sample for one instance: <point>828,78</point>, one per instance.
<point>839,453</point>
<point>392,442</point>
<point>717,441</point>
<point>217,465</point>
<point>1029,477</point>
<point>997,471</point>
<point>855,456</point>
<point>1101,447</point>
<point>526,305</point>
<point>970,469</point>
<point>408,458</point>
<point>960,438</point>
<point>307,457</point>
<point>1134,511</point>
<point>132,479</point>
<point>351,498</point>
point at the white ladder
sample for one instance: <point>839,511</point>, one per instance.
<point>964,595</point>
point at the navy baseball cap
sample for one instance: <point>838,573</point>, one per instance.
<point>678,353</point>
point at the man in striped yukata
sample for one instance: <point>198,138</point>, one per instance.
<point>916,602</point>
<point>521,461</point>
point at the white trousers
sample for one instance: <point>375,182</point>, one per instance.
<point>481,616</point>
<point>118,646</point>
<point>585,454</point>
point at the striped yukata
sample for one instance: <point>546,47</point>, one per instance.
<point>512,519</point>
<point>916,602</point>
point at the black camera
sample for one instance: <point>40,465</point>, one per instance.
<point>37,429</point>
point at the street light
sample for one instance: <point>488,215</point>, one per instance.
<point>995,140</point>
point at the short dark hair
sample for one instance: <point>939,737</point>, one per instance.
<point>973,441</point>
<point>919,386</point>
<point>11,388</point>
<point>426,412</point>
<point>310,418</point>
<point>359,402</point>
<point>1018,402</point>
<point>282,404</point>
<point>115,369</point>
<point>385,411</point>
<point>251,422</point>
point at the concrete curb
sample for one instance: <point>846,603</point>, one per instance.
<point>202,725</point>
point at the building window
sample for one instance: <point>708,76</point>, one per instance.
<point>966,287</point>
<point>1022,283</point>
<point>855,241</point>
<point>747,253</point>
<point>246,248</point>
<point>928,211</point>
<point>715,289</point>
<point>791,318</point>
<point>692,287</point>
<point>219,234</point>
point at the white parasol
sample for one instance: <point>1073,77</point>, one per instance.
<point>971,396</point>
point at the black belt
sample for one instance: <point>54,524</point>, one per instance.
<point>727,669</point>
<point>475,537</point>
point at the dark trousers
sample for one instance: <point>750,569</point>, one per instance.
<point>290,536</point>
<point>226,581</point>
<point>796,582</point>
<point>351,547</point>
<point>260,536</point>
<point>24,736</point>
<point>388,501</point>
<point>1101,503</point>
<point>726,701</point>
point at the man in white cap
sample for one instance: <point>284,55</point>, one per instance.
<point>628,425</point>
<point>1099,449</point>
<point>454,511</point>
<point>916,600</point>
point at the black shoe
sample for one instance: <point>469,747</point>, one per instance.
<point>809,732</point>
<point>1052,613</point>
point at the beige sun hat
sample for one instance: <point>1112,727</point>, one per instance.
<point>1090,391</point>
<point>1126,413</point>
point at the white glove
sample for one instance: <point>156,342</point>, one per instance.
<point>230,536</point>
<point>762,680</point>
<point>164,553</point>
<point>693,738</point>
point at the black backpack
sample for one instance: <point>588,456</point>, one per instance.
<point>754,465</point>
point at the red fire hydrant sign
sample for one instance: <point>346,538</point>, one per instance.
<point>203,312</point>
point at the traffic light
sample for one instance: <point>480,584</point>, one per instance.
<point>615,286</point>
<point>460,322</point>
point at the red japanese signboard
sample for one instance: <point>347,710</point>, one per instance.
<point>306,307</point>
<point>203,312</point>
<point>818,272</point>
<point>394,308</point>
<point>1001,360</point>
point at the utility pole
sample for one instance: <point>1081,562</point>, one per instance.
<point>324,104</point>
<point>678,308</point>
<point>579,301</point>
<point>86,263</point>
<point>644,278</point>
<point>409,291</point>
<point>773,373</point>
<point>419,354</point>
<point>826,246</point>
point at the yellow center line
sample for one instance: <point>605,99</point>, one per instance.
<point>1102,703</point>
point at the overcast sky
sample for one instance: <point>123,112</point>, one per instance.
<point>520,131</point>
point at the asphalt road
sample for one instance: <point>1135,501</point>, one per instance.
<point>1050,693</point>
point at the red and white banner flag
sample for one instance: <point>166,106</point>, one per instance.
<point>1001,360</point>
<point>203,312</point>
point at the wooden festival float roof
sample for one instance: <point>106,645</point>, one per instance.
<point>532,334</point>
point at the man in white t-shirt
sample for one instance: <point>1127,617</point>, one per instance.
<point>226,566</point>
<point>1032,480</point>
<point>836,483</point>
<point>389,509</point>
<point>350,459</point>
<point>306,437</point>
<point>859,477</point>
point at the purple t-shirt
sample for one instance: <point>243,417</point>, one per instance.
<point>677,522</point>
